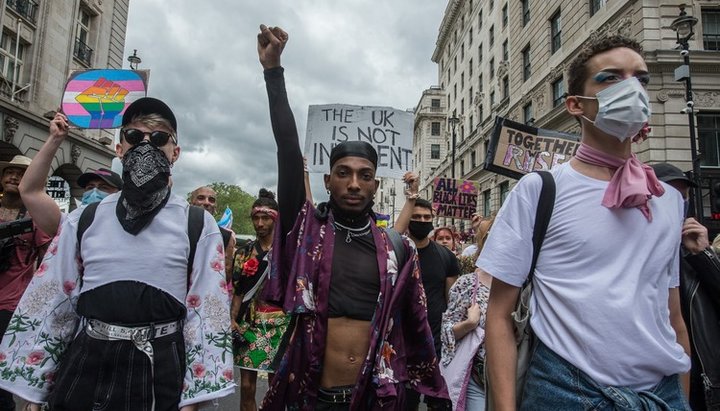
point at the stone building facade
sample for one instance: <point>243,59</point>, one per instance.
<point>42,42</point>
<point>509,58</point>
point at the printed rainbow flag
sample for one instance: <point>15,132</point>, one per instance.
<point>97,98</point>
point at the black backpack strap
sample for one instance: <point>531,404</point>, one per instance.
<point>546,203</point>
<point>86,219</point>
<point>196,223</point>
<point>398,246</point>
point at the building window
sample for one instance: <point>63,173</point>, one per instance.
<point>558,90</point>
<point>525,12</point>
<point>462,106</point>
<point>472,122</point>
<point>462,52</point>
<point>492,99</point>
<point>709,138</point>
<point>492,4</point>
<point>527,68</point>
<point>470,67</point>
<point>480,53</point>
<point>462,81</point>
<point>435,128</point>
<point>528,113</point>
<point>505,50</point>
<point>596,5</point>
<point>455,64</point>
<point>82,50</point>
<point>455,91</point>
<point>462,168</point>
<point>711,29</point>
<point>25,8</point>
<point>506,87</point>
<point>435,151</point>
<point>480,112</point>
<point>486,203</point>
<point>7,57</point>
<point>504,191</point>
<point>492,68</point>
<point>505,15</point>
<point>473,159</point>
<point>480,21</point>
<point>435,103</point>
<point>470,95</point>
<point>480,83</point>
<point>555,32</point>
<point>492,35</point>
<point>470,37</point>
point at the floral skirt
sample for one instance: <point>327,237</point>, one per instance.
<point>261,333</point>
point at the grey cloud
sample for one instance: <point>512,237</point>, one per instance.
<point>203,62</point>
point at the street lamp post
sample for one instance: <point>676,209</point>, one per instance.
<point>453,121</point>
<point>683,26</point>
<point>392,194</point>
<point>134,60</point>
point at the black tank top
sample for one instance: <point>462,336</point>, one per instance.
<point>355,277</point>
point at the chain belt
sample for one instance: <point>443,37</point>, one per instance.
<point>141,337</point>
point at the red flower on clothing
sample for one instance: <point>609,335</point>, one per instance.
<point>217,265</point>
<point>251,266</point>
<point>41,270</point>
<point>50,377</point>
<point>35,357</point>
<point>198,370</point>
<point>228,374</point>
<point>2,356</point>
<point>193,301</point>
<point>69,286</point>
<point>220,249</point>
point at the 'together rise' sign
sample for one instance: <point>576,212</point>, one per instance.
<point>389,130</point>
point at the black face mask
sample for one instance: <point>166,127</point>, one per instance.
<point>420,229</point>
<point>146,174</point>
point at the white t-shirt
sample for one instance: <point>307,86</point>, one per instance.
<point>602,277</point>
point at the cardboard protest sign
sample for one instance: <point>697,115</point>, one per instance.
<point>97,98</point>
<point>455,198</point>
<point>516,149</point>
<point>389,130</point>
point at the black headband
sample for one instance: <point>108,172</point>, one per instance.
<point>354,149</point>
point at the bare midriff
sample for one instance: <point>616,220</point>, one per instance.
<point>347,345</point>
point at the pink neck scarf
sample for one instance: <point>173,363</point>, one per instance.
<point>633,183</point>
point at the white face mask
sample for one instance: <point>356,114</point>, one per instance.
<point>623,109</point>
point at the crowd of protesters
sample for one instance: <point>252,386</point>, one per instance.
<point>137,300</point>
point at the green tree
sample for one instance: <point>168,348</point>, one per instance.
<point>240,202</point>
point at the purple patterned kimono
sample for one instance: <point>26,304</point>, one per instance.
<point>401,346</point>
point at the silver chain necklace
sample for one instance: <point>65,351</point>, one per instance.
<point>353,232</point>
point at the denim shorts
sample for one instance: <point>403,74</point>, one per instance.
<point>104,375</point>
<point>554,384</point>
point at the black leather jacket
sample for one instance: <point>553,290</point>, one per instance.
<point>700,301</point>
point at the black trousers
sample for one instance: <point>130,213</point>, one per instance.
<point>6,399</point>
<point>103,375</point>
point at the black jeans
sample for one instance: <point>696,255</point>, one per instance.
<point>6,399</point>
<point>412,402</point>
<point>103,375</point>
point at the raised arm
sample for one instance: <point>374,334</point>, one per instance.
<point>43,209</point>
<point>412,182</point>
<point>291,187</point>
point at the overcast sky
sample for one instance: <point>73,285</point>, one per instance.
<point>203,62</point>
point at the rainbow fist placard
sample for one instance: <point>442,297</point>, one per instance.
<point>97,98</point>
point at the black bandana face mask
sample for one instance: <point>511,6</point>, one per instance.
<point>146,175</point>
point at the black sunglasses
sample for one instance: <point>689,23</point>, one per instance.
<point>157,138</point>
